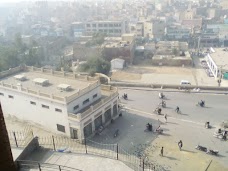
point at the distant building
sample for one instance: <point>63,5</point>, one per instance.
<point>119,47</point>
<point>158,29</point>
<point>117,63</point>
<point>178,32</point>
<point>111,28</point>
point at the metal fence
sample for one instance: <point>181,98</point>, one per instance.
<point>20,139</point>
<point>65,144</point>
<point>27,165</point>
<point>113,151</point>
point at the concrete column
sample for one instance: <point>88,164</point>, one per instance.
<point>103,117</point>
<point>93,125</point>
<point>112,110</point>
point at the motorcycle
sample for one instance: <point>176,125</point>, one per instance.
<point>212,152</point>
<point>149,128</point>
<point>159,131</point>
<point>220,136</point>
<point>116,133</point>
<point>200,104</point>
<point>207,125</point>
<point>162,104</point>
<point>124,97</point>
<point>157,111</point>
<point>201,148</point>
<point>161,96</point>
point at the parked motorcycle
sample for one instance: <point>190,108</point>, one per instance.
<point>201,148</point>
<point>212,152</point>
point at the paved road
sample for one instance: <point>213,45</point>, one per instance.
<point>216,109</point>
<point>188,126</point>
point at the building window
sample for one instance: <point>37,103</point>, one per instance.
<point>76,107</point>
<point>11,97</point>
<point>94,25</point>
<point>1,94</point>
<point>45,106</point>
<point>60,128</point>
<point>95,95</point>
<point>100,25</point>
<point>86,101</point>
<point>110,25</point>
<point>33,103</point>
<point>105,25</point>
<point>58,110</point>
<point>87,25</point>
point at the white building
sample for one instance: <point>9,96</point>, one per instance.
<point>217,61</point>
<point>62,102</point>
<point>117,63</point>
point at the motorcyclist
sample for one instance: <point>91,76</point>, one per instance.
<point>159,110</point>
<point>163,103</point>
<point>149,126</point>
<point>207,124</point>
<point>202,103</point>
<point>161,95</point>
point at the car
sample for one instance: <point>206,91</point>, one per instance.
<point>185,82</point>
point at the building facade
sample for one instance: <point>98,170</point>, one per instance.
<point>73,105</point>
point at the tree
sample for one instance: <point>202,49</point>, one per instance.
<point>175,51</point>
<point>97,39</point>
<point>8,58</point>
<point>96,64</point>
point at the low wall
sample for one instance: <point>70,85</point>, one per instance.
<point>167,86</point>
<point>172,62</point>
<point>11,71</point>
<point>32,146</point>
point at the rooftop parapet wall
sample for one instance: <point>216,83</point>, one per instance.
<point>65,99</point>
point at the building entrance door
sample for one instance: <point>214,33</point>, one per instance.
<point>98,122</point>
<point>88,130</point>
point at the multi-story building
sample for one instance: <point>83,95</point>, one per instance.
<point>159,29</point>
<point>178,32</point>
<point>67,103</point>
<point>111,28</point>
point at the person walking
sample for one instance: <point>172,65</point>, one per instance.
<point>165,117</point>
<point>180,144</point>
<point>177,109</point>
<point>162,151</point>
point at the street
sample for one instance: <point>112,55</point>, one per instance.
<point>187,126</point>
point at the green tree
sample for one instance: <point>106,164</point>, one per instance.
<point>175,51</point>
<point>96,64</point>
<point>8,58</point>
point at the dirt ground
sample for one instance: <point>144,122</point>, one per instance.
<point>186,159</point>
<point>135,73</point>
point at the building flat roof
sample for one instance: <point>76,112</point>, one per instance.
<point>52,87</point>
<point>220,57</point>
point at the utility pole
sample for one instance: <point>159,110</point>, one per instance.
<point>6,159</point>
